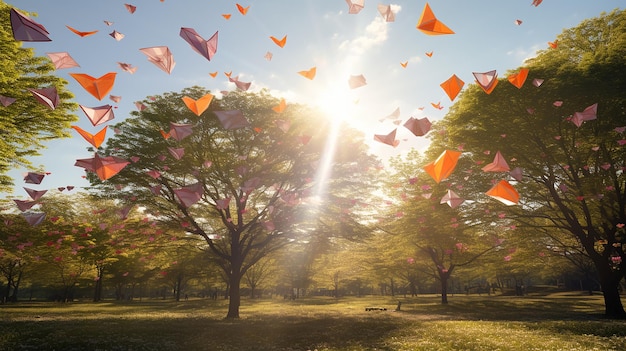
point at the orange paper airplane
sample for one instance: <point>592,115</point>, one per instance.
<point>279,42</point>
<point>452,86</point>
<point>443,165</point>
<point>104,167</point>
<point>200,105</point>
<point>243,10</point>
<point>82,34</point>
<point>429,24</point>
<point>518,78</point>
<point>437,105</point>
<point>280,107</point>
<point>504,192</point>
<point>98,87</point>
<point>94,139</point>
<point>310,74</point>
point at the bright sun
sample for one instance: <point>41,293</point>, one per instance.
<point>338,103</point>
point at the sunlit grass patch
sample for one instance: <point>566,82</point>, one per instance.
<point>325,324</point>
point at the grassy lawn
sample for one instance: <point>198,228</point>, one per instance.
<point>553,322</point>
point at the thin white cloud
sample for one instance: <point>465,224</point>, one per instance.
<point>257,86</point>
<point>415,59</point>
<point>523,54</point>
<point>376,32</point>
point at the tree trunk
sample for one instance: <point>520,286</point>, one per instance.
<point>7,291</point>
<point>118,291</point>
<point>444,276</point>
<point>613,307</point>
<point>66,294</point>
<point>97,291</point>
<point>177,286</point>
<point>234,280</point>
<point>227,290</point>
<point>16,287</point>
<point>235,294</point>
<point>444,288</point>
<point>131,295</point>
<point>612,303</point>
<point>413,289</point>
<point>97,294</point>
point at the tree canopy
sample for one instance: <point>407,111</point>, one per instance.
<point>26,124</point>
<point>246,189</point>
<point>444,232</point>
<point>573,166</point>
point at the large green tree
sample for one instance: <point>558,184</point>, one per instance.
<point>17,249</point>
<point>573,180</point>
<point>445,235</point>
<point>26,124</point>
<point>255,187</point>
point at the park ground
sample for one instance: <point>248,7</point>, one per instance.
<point>555,321</point>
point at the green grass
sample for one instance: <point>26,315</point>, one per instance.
<point>553,322</point>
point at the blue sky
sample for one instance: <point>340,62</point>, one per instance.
<point>320,33</point>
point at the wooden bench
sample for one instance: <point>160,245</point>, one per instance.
<point>375,309</point>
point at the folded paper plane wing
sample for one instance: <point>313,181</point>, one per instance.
<point>198,106</point>
<point>443,165</point>
<point>94,139</point>
<point>504,192</point>
<point>232,119</point>
<point>429,24</point>
<point>160,56</point>
<point>206,48</point>
<point>98,87</point>
<point>25,29</point>
<point>98,115</point>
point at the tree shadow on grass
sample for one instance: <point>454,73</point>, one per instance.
<point>262,333</point>
<point>506,308</point>
<point>284,326</point>
<point>573,314</point>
